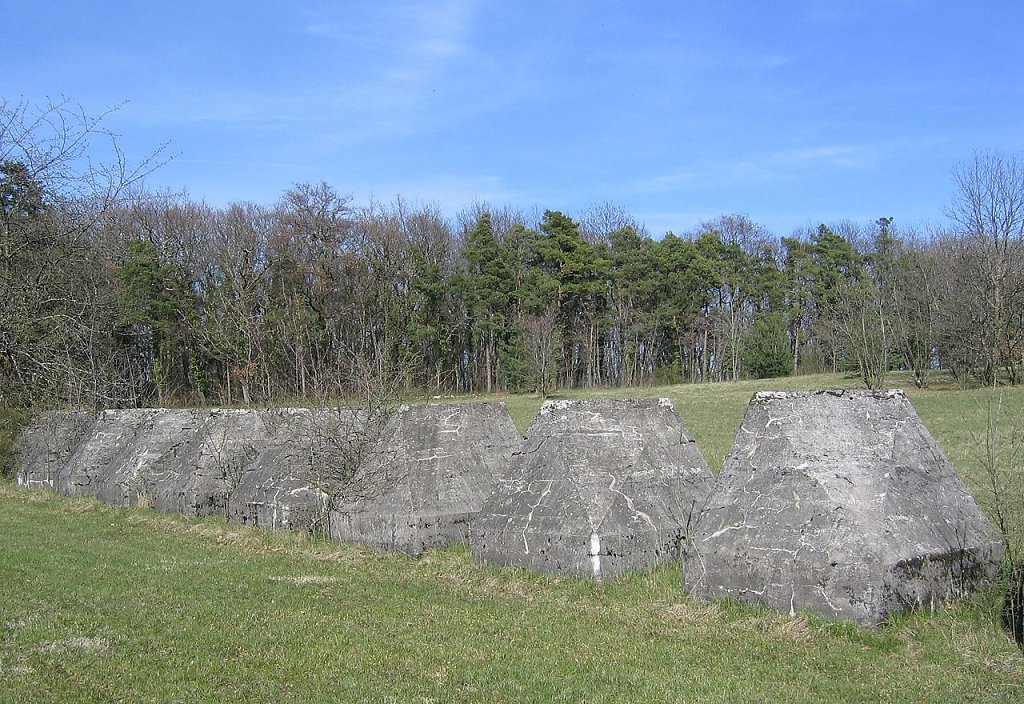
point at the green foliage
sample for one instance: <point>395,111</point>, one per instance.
<point>21,195</point>
<point>118,299</point>
<point>835,262</point>
<point>686,281</point>
<point>428,334</point>
<point>766,348</point>
<point>488,285</point>
<point>146,298</point>
<point>44,277</point>
<point>12,420</point>
<point>153,310</point>
<point>512,360</point>
<point>174,301</point>
<point>632,300</point>
<point>670,374</point>
<point>572,267</point>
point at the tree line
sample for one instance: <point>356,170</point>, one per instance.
<point>114,296</point>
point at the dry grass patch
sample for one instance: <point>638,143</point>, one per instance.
<point>15,625</point>
<point>699,614</point>
<point>87,644</point>
<point>305,580</point>
<point>693,612</point>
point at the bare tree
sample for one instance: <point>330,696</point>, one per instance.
<point>542,342</point>
<point>235,289</point>
<point>864,323</point>
<point>914,304</point>
<point>351,410</point>
<point>1001,448</point>
<point>988,209</point>
<point>61,171</point>
<point>599,222</point>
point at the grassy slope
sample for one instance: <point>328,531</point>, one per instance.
<point>99,604</point>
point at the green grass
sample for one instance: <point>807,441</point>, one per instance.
<point>712,412</point>
<point>102,604</point>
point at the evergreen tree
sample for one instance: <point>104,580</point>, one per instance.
<point>766,348</point>
<point>836,265</point>
<point>632,326</point>
<point>569,265</point>
<point>487,283</point>
<point>798,275</point>
<point>687,279</point>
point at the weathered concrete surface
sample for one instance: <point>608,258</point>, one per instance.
<point>281,489</point>
<point>196,476</point>
<point>102,451</point>
<point>184,460</point>
<point>598,489</point>
<point>46,442</point>
<point>432,470</point>
<point>163,432</point>
<point>840,502</point>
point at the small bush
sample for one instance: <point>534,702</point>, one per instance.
<point>669,375</point>
<point>11,422</point>
<point>1013,605</point>
<point>766,352</point>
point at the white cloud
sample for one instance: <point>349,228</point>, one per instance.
<point>387,72</point>
<point>663,182</point>
<point>835,155</point>
<point>796,162</point>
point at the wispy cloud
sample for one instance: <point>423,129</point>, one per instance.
<point>241,109</point>
<point>834,12</point>
<point>784,164</point>
<point>663,182</point>
<point>835,155</point>
<point>760,167</point>
<point>326,30</point>
<point>380,74</point>
<point>438,31</point>
<point>409,56</point>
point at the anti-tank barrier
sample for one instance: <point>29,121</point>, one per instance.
<point>838,502</point>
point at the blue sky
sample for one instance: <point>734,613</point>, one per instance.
<point>676,112</point>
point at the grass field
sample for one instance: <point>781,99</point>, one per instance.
<point>102,604</point>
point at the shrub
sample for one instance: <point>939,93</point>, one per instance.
<point>11,422</point>
<point>766,351</point>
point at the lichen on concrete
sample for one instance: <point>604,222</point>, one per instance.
<point>45,443</point>
<point>156,440</point>
<point>598,489</point>
<point>111,438</point>
<point>429,474</point>
<point>842,503</point>
<point>196,476</point>
<point>283,488</point>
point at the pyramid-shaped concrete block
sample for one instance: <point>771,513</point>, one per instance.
<point>45,444</point>
<point>112,436</point>
<point>162,433</point>
<point>599,488</point>
<point>283,487</point>
<point>196,476</point>
<point>432,470</point>
<point>842,503</point>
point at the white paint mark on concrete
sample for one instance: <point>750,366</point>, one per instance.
<point>595,555</point>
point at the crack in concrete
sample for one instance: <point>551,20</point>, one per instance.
<point>529,517</point>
